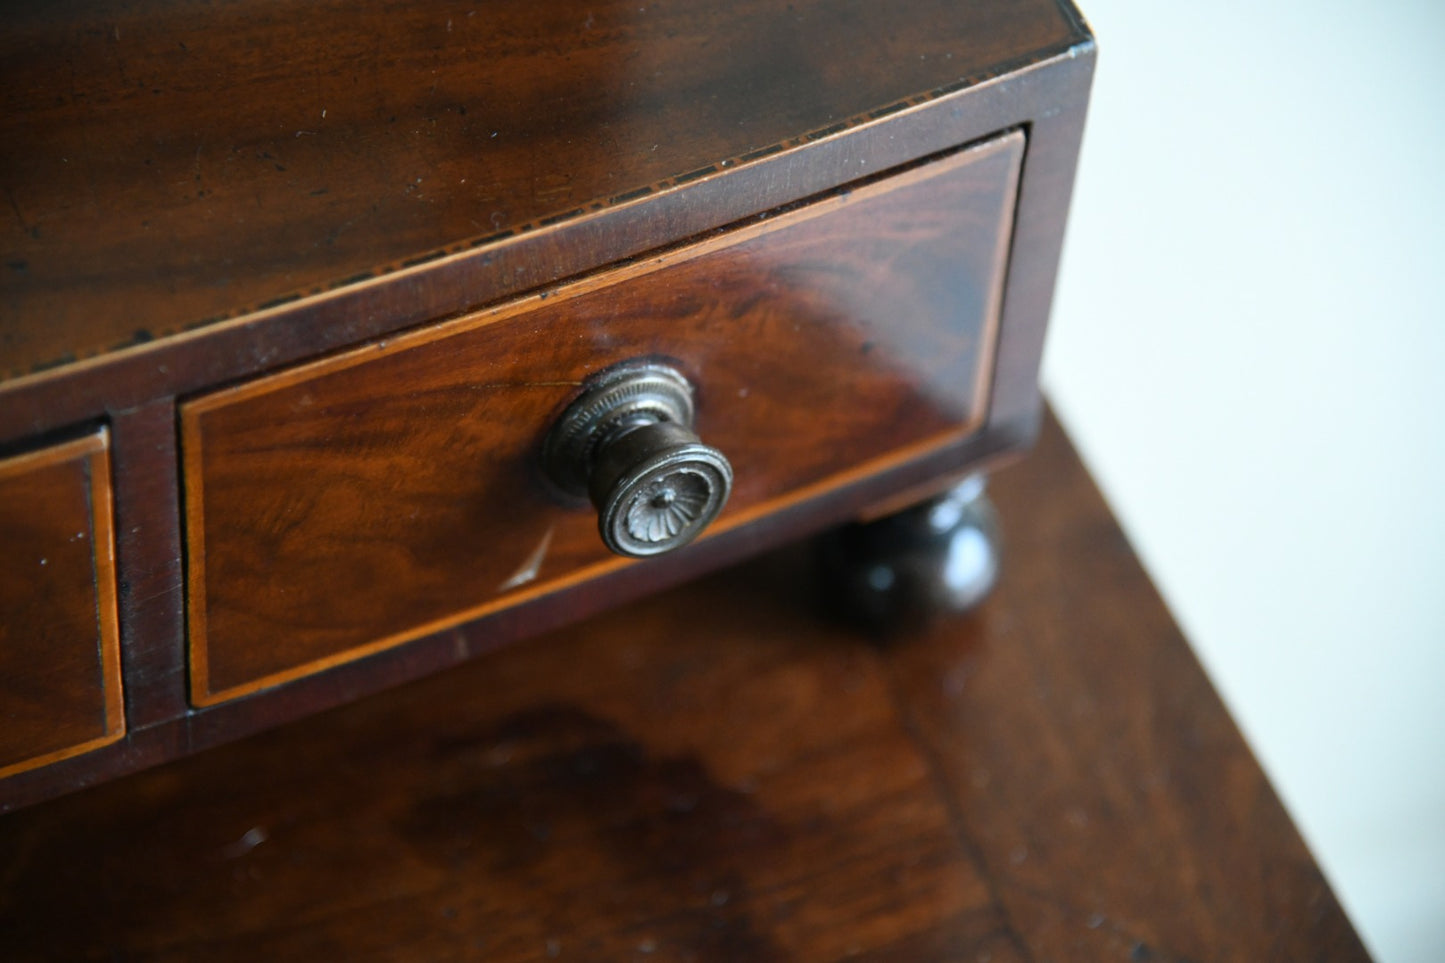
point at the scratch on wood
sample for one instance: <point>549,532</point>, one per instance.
<point>252,838</point>
<point>533,564</point>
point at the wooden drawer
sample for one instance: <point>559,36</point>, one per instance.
<point>328,317</point>
<point>360,501</point>
<point>60,689</point>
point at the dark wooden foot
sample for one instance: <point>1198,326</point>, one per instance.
<point>939,556</point>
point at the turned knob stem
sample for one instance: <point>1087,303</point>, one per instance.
<point>628,444</point>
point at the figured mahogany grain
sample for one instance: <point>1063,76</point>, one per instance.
<point>363,501</point>
<point>171,164</point>
<point>722,773</point>
<point>60,688</point>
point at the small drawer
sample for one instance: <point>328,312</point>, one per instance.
<point>60,688</point>
<point>370,498</point>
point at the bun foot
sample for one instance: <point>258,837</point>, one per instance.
<point>937,557</point>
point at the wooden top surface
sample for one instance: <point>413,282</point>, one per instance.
<point>721,773</point>
<point>170,164</point>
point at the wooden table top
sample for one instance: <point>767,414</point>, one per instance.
<point>722,772</point>
<point>171,165</point>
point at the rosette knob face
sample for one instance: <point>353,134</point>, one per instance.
<point>627,443</point>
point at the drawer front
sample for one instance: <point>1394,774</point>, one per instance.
<point>60,689</point>
<point>367,499</point>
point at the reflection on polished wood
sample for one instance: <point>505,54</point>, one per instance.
<point>721,773</point>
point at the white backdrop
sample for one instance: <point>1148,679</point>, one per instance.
<point>1249,348</point>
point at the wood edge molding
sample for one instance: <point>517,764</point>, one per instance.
<point>43,457</point>
<point>59,755</point>
<point>193,545</point>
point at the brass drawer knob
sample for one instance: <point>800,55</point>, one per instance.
<point>627,443</point>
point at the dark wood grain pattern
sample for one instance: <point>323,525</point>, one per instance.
<point>145,196</point>
<point>388,493</point>
<point>720,773</point>
<point>60,689</point>
<point>113,110</point>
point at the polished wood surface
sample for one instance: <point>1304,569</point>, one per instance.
<point>60,688</point>
<point>93,92</point>
<point>722,773</point>
<point>391,492</point>
<point>145,195</point>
